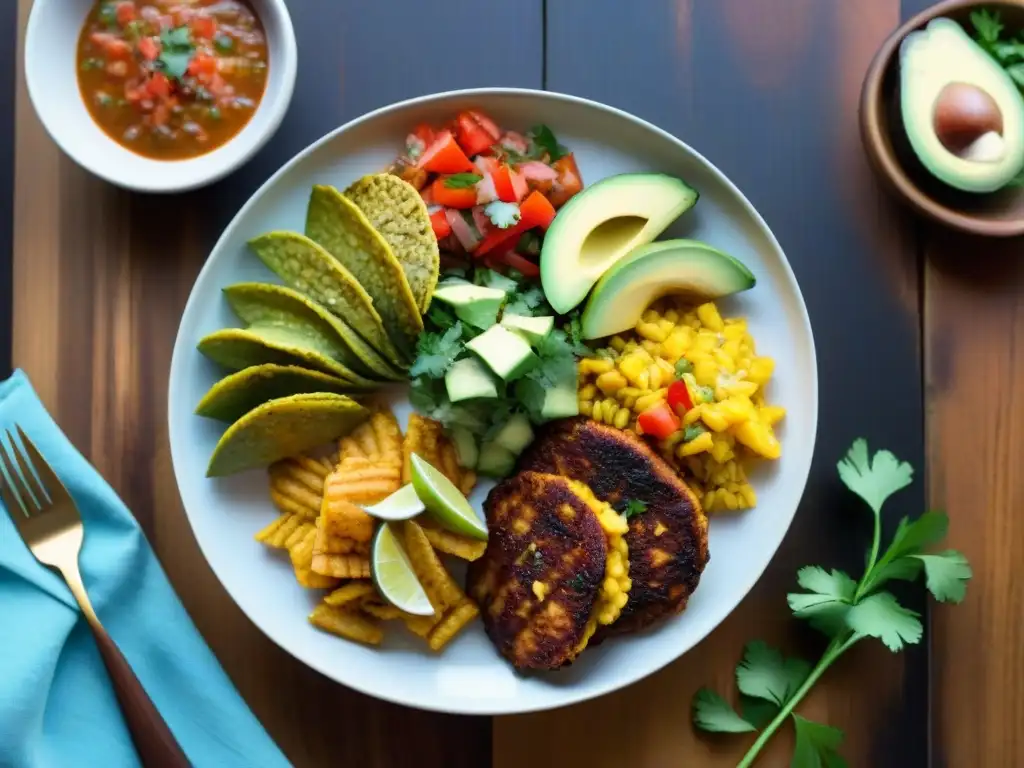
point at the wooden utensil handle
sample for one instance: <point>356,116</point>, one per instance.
<point>153,740</point>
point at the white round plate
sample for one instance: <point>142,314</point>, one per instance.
<point>469,677</point>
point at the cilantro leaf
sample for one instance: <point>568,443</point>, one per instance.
<point>713,713</point>
<point>436,352</point>
<point>176,51</point>
<point>530,394</point>
<point>880,615</point>
<point>873,480</point>
<point>542,140</point>
<point>910,538</point>
<point>439,316</point>
<point>461,180</point>
<point>987,25</point>
<point>816,745</point>
<point>1008,51</point>
<point>557,361</point>
<point>757,712</point>
<point>825,609</point>
<point>528,301</point>
<point>765,674</point>
<point>489,278</point>
<point>946,575</point>
<point>904,569</point>
<point>631,507</point>
<point>502,215</point>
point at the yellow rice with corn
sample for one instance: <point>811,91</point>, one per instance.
<point>730,423</point>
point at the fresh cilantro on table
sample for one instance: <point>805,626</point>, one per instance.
<point>542,141</point>
<point>846,611</point>
<point>176,52</point>
<point>462,180</point>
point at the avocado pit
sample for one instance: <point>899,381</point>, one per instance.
<point>969,123</point>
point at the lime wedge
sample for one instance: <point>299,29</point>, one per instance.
<point>403,504</point>
<point>444,501</point>
<point>393,574</point>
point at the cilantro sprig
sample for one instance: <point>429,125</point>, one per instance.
<point>542,141</point>
<point>176,51</point>
<point>846,611</point>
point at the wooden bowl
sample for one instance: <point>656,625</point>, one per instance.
<point>998,214</point>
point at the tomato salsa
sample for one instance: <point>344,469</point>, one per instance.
<point>172,79</point>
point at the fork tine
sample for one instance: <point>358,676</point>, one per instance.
<point>44,475</point>
<point>29,480</point>
<point>8,491</point>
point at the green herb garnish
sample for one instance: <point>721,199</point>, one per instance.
<point>846,611</point>
<point>543,141</point>
<point>108,14</point>
<point>462,180</point>
<point>988,28</point>
<point>631,507</point>
<point>103,99</point>
<point>502,215</point>
<point>213,113</point>
<point>683,366</point>
<point>435,352</point>
<point>92,63</point>
<point>692,432</point>
<point>176,52</point>
<point>224,43</point>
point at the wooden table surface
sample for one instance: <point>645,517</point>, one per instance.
<point>916,333</point>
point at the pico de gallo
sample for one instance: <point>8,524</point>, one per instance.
<point>491,193</point>
<point>172,79</point>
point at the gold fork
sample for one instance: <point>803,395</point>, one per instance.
<point>49,522</point>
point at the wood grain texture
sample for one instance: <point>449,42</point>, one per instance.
<point>768,92</point>
<point>101,277</point>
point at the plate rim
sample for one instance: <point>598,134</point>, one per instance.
<point>577,696</point>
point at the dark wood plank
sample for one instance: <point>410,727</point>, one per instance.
<point>9,23</point>
<point>768,91</point>
<point>101,278</point>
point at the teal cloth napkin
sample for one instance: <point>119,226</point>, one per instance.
<point>57,707</point>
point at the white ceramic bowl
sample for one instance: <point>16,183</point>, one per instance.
<point>51,42</point>
<point>469,677</point>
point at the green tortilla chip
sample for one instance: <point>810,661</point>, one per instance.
<point>272,306</point>
<point>237,394</point>
<point>284,427</point>
<point>312,271</point>
<point>334,222</point>
<point>398,213</point>
<point>238,348</point>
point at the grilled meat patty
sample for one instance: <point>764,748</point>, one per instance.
<point>668,542</point>
<point>541,583</point>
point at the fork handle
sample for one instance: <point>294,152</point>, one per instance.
<point>153,740</point>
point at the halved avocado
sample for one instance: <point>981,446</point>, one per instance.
<point>602,224</point>
<point>962,114</point>
<point>687,267</point>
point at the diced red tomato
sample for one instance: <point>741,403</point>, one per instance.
<point>568,183</point>
<point>475,132</point>
<point>503,186</point>
<point>424,133</point>
<point>159,86</point>
<point>203,66</point>
<point>659,421</point>
<point>520,263</point>
<point>440,224</point>
<point>125,13</point>
<point>444,155</point>
<point>204,27</point>
<point>520,186</point>
<point>534,211</point>
<point>679,399</point>
<point>149,47</point>
<point>462,197</point>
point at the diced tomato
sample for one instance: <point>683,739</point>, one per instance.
<point>159,86</point>
<point>444,155</point>
<point>204,27</point>
<point>203,66</point>
<point>424,133</point>
<point>125,13</point>
<point>149,47</point>
<point>659,421</point>
<point>462,197</point>
<point>427,193</point>
<point>536,211</point>
<point>112,46</point>
<point>679,399</point>
<point>520,263</point>
<point>440,224</point>
<point>568,183</point>
<point>520,186</point>
<point>503,186</point>
<point>475,132</point>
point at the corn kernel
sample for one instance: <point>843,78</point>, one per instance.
<point>672,316</point>
<point>617,343</point>
<point>714,419</point>
<point>610,382</point>
<point>695,446</point>
<point>651,331</point>
<point>709,317</point>
<point>595,410</point>
<point>643,379</point>
<point>759,438</point>
<point>720,450</point>
<point>705,371</point>
<point>772,414</point>
<point>632,366</point>
<point>654,375</point>
<point>622,418</point>
<point>744,388</point>
<point>588,392</point>
<point>650,316</point>
<point>648,401</point>
<point>761,369</point>
<point>595,365</point>
<point>586,407</point>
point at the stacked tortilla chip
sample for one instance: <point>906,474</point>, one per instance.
<point>344,324</point>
